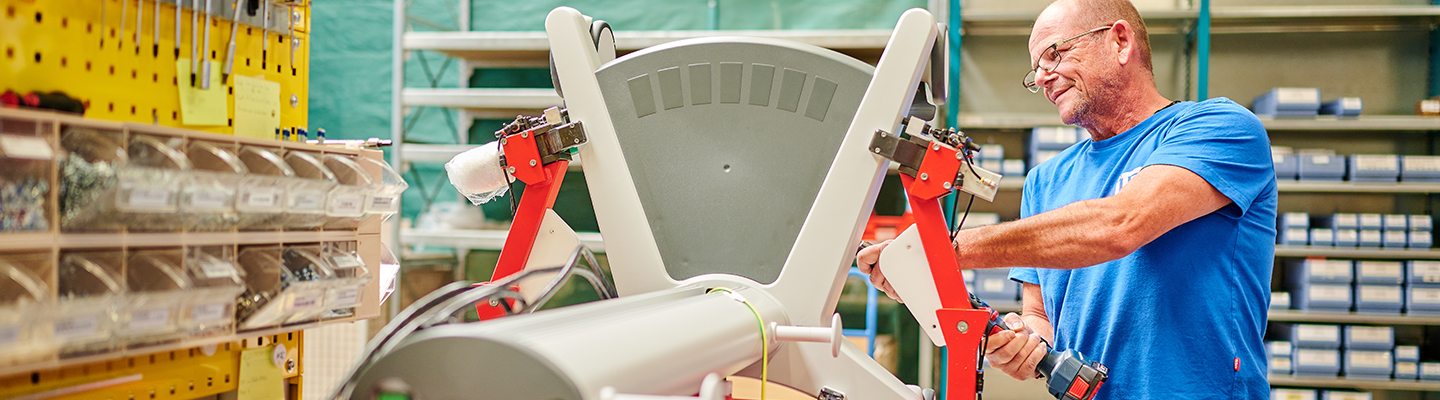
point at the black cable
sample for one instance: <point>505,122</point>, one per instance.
<point>961,221</point>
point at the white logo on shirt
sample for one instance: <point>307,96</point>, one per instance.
<point>1125,178</point>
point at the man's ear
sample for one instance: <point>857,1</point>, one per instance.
<point>1124,44</point>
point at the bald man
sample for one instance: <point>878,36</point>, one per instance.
<point>1148,247</point>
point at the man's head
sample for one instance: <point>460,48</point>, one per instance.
<point>1097,73</point>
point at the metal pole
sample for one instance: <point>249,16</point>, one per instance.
<point>1202,38</point>
<point>714,15</point>
<point>1434,71</point>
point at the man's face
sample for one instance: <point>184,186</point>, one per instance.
<point>1065,86</point>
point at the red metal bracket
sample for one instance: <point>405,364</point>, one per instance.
<point>937,172</point>
<point>539,196</point>
<point>523,155</point>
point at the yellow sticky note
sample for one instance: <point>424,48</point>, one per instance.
<point>260,379</point>
<point>201,106</point>
<point>257,107</point>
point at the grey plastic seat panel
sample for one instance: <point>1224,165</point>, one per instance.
<point>728,140</point>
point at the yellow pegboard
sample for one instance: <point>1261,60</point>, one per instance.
<point>56,45</point>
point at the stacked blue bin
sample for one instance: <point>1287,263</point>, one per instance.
<point>1379,286</point>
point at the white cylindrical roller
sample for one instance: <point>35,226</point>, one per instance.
<point>817,334</point>
<point>710,389</point>
<point>477,173</point>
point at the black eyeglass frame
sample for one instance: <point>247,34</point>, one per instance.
<point>1030,77</point>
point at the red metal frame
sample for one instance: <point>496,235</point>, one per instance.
<point>542,187</point>
<point>955,309</point>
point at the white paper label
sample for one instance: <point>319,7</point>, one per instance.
<point>9,334</point>
<point>1350,103</point>
<point>1396,222</point>
<point>1395,237</point>
<point>342,298</point>
<point>1329,268</point>
<point>345,262</point>
<point>1317,333</point>
<point>1297,95</point>
<point>1320,160</point>
<point>1370,236</point>
<point>1280,363</point>
<point>1375,162</point>
<point>1380,269</point>
<point>1277,158</point>
<point>1292,394</point>
<point>1369,334</point>
<point>1420,222</point>
<point>1371,221</point>
<point>1407,352</point>
<point>305,302</point>
<point>1313,357</point>
<point>1405,368</point>
<point>26,147</point>
<point>1430,106</point>
<point>1422,163</point>
<point>1297,219</point>
<point>261,197</point>
<point>1297,236</point>
<point>69,328</point>
<point>1329,293</point>
<point>347,204</point>
<point>1347,235</point>
<point>1420,237</point>
<point>149,318</point>
<point>1426,271</point>
<point>149,197</point>
<point>210,199</point>
<point>1379,294</point>
<point>307,201</point>
<point>217,269</point>
<point>1430,368</point>
<point>1280,348</point>
<point>208,312</point>
<point>1370,359</point>
<point>1321,236</point>
<point>383,203</point>
<point>993,285</point>
<point>1424,296</point>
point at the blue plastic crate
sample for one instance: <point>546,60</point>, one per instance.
<point>1420,168</point>
<point>1407,353</point>
<point>1374,168</point>
<point>1397,239</point>
<point>1321,271</point>
<point>1288,102</point>
<point>1371,221</point>
<point>1347,237</point>
<point>1380,272</point>
<point>1316,362</point>
<point>1407,370</point>
<point>1313,336</point>
<point>1422,299</point>
<point>1320,167</point>
<point>1371,238</point>
<point>1377,338</point>
<point>1287,166</point>
<point>1322,237</point>
<point>1424,273</point>
<point>1420,239</point>
<point>1347,107</point>
<point>1420,222</point>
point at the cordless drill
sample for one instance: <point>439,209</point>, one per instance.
<point>1068,374</point>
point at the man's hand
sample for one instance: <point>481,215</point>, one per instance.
<point>1017,351</point>
<point>866,261</point>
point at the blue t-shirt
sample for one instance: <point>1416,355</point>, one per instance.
<point>1184,316</point>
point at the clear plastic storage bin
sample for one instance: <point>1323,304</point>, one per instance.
<point>158,290</point>
<point>312,271</point>
<point>25,319</point>
<point>90,289</point>
<point>310,193</point>
<point>384,199</point>
<point>148,198</point>
<point>88,176</point>
<point>347,201</point>
<point>261,198</point>
<point>26,154</point>
<point>351,275</point>
<point>273,292</point>
<point>208,197</point>
<point>215,284</point>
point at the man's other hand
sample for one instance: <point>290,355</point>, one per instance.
<point>1017,351</point>
<point>866,261</point>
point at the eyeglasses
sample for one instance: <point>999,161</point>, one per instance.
<point>1051,56</point>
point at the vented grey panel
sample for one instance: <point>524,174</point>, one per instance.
<point>727,185</point>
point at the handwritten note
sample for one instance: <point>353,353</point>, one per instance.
<point>260,379</point>
<point>201,106</point>
<point>257,107</point>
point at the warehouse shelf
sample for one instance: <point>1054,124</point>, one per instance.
<point>1320,123</point>
<point>531,49</point>
<point>484,103</point>
<point>1364,384</point>
<point>1344,317</point>
<point>479,239</point>
<point>1352,252</point>
<point>1357,187</point>
<point>1243,19</point>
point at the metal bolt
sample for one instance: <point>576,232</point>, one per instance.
<point>577,140</point>
<point>289,366</point>
<point>524,134</point>
<point>962,326</point>
<point>877,149</point>
<point>532,163</point>
<point>882,133</point>
<point>297,16</point>
<point>294,44</point>
<point>510,170</point>
<point>959,156</point>
<point>494,303</point>
<point>294,101</point>
<point>935,146</point>
<point>502,141</point>
<point>945,185</point>
<point>924,176</point>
